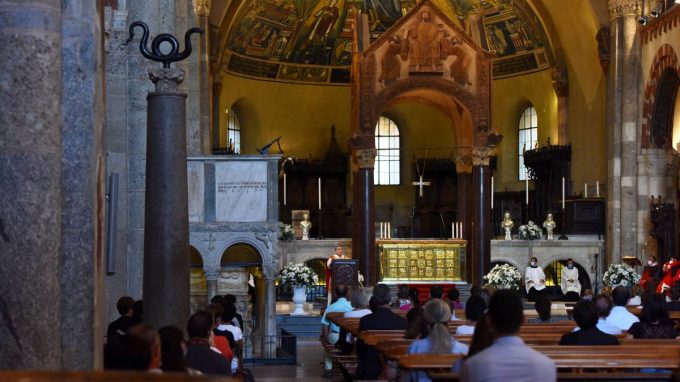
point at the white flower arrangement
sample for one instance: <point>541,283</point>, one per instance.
<point>298,275</point>
<point>530,231</point>
<point>620,275</point>
<point>503,276</point>
<point>286,232</point>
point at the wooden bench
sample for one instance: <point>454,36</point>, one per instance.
<point>569,376</point>
<point>105,376</point>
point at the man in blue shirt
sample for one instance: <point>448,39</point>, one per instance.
<point>331,331</point>
<point>508,359</point>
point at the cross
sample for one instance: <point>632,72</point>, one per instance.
<point>211,242</point>
<point>420,185</point>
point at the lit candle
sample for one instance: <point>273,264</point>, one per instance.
<point>284,188</point>
<point>563,192</point>
<point>461,230</point>
<point>319,194</point>
<point>453,230</point>
<point>526,188</point>
<point>389,230</point>
<point>597,188</point>
<point>492,192</point>
<point>585,190</point>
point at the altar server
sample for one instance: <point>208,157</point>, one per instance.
<point>571,287</point>
<point>534,280</point>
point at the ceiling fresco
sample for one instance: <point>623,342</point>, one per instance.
<point>311,40</point>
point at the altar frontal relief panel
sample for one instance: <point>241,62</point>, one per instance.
<point>241,192</point>
<point>421,260</point>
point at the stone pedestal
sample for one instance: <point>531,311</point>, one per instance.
<point>166,226</point>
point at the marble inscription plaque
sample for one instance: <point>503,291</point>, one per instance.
<point>241,191</point>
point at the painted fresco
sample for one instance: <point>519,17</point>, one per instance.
<point>319,33</point>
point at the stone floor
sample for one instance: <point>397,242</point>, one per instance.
<point>309,366</point>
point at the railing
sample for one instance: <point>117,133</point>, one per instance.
<point>314,293</point>
<point>280,349</point>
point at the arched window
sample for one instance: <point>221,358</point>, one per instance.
<point>233,131</point>
<point>387,145</point>
<point>528,136</point>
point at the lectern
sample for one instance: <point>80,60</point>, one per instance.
<point>346,272</point>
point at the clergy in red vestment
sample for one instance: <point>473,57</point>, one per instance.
<point>329,263</point>
<point>650,272</point>
<point>670,275</point>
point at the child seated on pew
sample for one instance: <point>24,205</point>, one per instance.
<point>436,313</point>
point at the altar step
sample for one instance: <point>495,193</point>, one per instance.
<point>303,327</point>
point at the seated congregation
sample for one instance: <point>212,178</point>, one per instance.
<point>212,343</point>
<point>368,335</point>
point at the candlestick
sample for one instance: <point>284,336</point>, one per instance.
<point>453,234</point>
<point>563,193</point>
<point>585,190</point>
<point>319,194</point>
<point>526,186</point>
<point>492,192</point>
<point>597,188</point>
<point>284,189</point>
<point>389,230</point>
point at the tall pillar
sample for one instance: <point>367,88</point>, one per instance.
<point>211,277</point>
<point>215,124</point>
<point>481,204</point>
<point>363,215</point>
<point>561,85</point>
<point>463,208</point>
<point>166,226</point>
<point>622,128</point>
<point>269,318</point>
<point>202,8</point>
<point>30,201</point>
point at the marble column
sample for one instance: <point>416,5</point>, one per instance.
<point>202,9</point>
<point>561,85</point>
<point>30,201</point>
<point>215,124</point>
<point>269,318</point>
<point>211,277</point>
<point>481,204</point>
<point>622,128</point>
<point>166,225</point>
<point>363,215</point>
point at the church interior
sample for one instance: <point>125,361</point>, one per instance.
<point>179,151</point>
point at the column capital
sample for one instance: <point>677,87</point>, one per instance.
<point>621,8</point>
<point>212,274</point>
<point>202,8</point>
<point>166,80</point>
<point>463,162</point>
<point>560,81</point>
<point>482,155</point>
<point>365,158</point>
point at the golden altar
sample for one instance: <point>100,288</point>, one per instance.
<point>421,260</point>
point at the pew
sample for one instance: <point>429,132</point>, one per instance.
<point>105,376</point>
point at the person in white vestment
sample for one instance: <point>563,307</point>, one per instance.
<point>534,280</point>
<point>571,287</point>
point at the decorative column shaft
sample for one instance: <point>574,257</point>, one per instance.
<point>463,209</point>
<point>622,128</point>
<point>269,319</point>
<point>202,8</point>
<point>363,214</point>
<point>561,85</point>
<point>166,226</point>
<point>481,204</point>
<point>215,123</point>
<point>211,281</point>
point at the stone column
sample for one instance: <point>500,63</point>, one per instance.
<point>83,186</point>
<point>561,85</point>
<point>202,8</point>
<point>211,277</point>
<point>166,226</point>
<point>215,124</point>
<point>269,318</point>
<point>622,131</point>
<point>363,215</point>
<point>481,221</point>
<point>30,201</point>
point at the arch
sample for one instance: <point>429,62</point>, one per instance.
<point>240,255</point>
<point>318,265</point>
<point>196,257</point>
<point>663,111</point>
<point>555,273</point>
<point>527,132</point>
<point>665,61</point>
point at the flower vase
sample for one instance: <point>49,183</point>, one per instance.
<point>299,298</point>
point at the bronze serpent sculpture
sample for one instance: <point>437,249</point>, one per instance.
<point>155,54</point>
